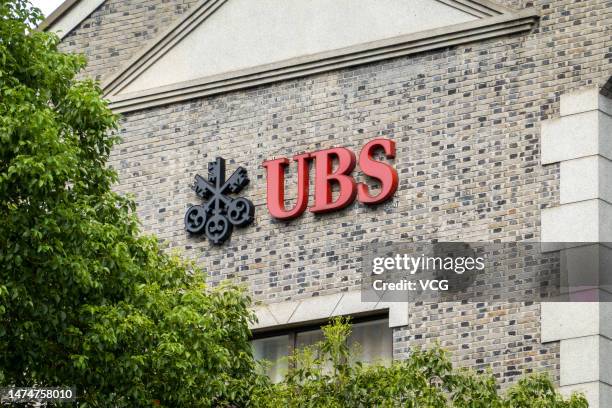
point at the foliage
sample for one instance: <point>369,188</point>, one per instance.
<point>85,299</point>
<point>325,376</point>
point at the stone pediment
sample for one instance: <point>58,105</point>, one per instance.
<point>225,45</point>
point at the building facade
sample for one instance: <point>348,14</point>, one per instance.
<point>499,114</point>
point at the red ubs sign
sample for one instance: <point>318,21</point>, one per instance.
<point>349,189</point>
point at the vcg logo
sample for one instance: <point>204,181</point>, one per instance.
<point>217,217</point>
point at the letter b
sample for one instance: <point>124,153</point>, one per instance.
<point>324,177</point>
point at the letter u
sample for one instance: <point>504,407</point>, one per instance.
<point>275,170</point>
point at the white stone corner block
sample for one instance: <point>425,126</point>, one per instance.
<point>597,393</point>
<point>579,360</point>
<point>605,360</point>
<point>584,221</point>
<point>586,178</point>
<point>560,321</point>
<point>605,319</point>
<point>591,391</point>
<point>605,395</point>
<point>584,100</point>
<point>399,314</point>
<point>575,136</point>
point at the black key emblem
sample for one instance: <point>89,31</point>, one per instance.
<point>217,217</point>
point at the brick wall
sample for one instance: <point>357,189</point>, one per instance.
<point>466,121</point>
<point>118,29</point>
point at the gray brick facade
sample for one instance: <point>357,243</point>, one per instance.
<point>466,121</point>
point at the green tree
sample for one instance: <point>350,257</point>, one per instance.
<point>326,376</point>
<point>85,299</point>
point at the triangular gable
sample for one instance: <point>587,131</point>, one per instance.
<point>224,45</point>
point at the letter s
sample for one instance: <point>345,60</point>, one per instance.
<point>378,170</point>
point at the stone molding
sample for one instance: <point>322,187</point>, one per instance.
<point>318,309</point>
<point>494,21</point>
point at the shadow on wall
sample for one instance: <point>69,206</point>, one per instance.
<point>606,89</point>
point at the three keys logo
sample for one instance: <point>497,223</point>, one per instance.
<point>217,217</point>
